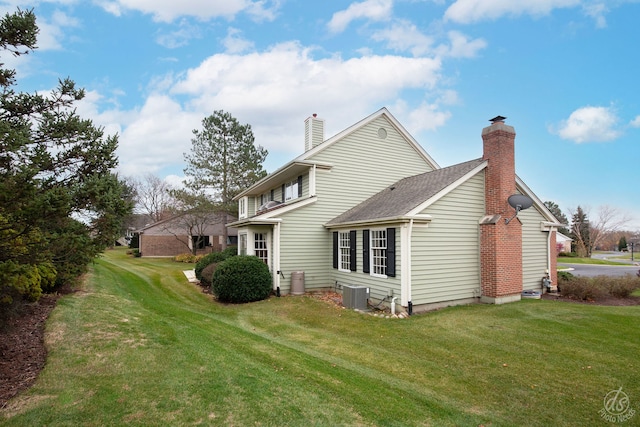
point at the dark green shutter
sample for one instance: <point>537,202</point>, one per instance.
<point>365,251</point>
<point>391,252</point>
<point>352,249</point>
<point>300,186</point>
<point>335,249</point>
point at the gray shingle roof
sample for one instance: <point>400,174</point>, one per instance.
<point>400,198</point>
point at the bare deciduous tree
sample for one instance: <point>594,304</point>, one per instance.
<point>590,232</point>
<point>154,197</point>
<point>607,220</point>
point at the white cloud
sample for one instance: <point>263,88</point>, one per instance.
<point>590,124</point>
<point>375,10</point>
<point>467,11</point>
<point>179,37</point>
<point>635,122</point>
<point>51,35</point>
<point>461,47</point>
<point>234,43</point>
<point>426,117</point>
<point>274,91</point>
<point>597,12</point>
<point>169,10</point>
<point>405,36</point>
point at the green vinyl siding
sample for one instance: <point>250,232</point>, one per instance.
<point>534,249</point>
<point>362,164</point>
<point>378,286</point>
<point>445,255</point>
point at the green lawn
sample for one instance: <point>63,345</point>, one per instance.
<point>576,260</point>
<point>141,346</point>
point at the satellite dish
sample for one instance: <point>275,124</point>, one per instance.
<point>519,202</point>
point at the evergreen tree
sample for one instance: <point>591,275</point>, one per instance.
<point>223,161</point>
<point>60,203</point>
<point>580,233</point>
<point>622,243</point>
<point>562,218</point>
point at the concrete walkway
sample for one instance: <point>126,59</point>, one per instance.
<point>191,276</point>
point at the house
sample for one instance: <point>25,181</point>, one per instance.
<point>370,208</point>
<point>181,233</point>
<point>563,243</point>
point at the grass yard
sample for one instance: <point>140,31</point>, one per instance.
<point>576,260</point>
<point>139,345</point>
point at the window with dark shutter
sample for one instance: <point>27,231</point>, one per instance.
<point>335,249</point>
<point>365,251</point>
<point>352,249</point>
<point>391,252</point>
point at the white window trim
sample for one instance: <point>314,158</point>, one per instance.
<point>291,190</point>
<point>243,238</point>
<point>372,264</point>
<point>243,204</point>
<point>344,236</point>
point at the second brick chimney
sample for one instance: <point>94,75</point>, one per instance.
<point>500,243</point>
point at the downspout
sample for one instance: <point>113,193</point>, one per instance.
<point>410,304</point>
<point>276,258</point>
<point>548,254</point>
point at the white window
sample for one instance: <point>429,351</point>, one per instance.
<point>291,190</point>
<point>242,244</point>
<point>344,251</point>
<point>379,252</point>
<point>260,248</point>
<point>242,208</point>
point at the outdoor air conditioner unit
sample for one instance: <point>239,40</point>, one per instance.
<point>355,297</point>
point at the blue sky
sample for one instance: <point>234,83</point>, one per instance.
<point>563,72</point>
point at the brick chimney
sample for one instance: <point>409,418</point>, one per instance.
<point>313,132</point>
<point>500,243</point>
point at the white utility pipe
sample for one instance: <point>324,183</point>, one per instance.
<point>393,305</point>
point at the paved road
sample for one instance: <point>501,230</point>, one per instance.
<point>591,270</point>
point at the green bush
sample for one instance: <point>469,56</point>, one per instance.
<point>213,257</point>
<point>564,276</point>
<point>241,279</point>
<point>207,274</point>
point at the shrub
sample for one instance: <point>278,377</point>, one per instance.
<point>207,274</point>
<point>622,287</point>
<point>583,288</point>
<point>213,257</point>
<point>241,279</point>
<point>187,258</point>
<point>593,288</point>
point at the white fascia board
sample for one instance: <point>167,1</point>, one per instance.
<point>381,221</point>
<point>270,216</point>
<point>524,189</point>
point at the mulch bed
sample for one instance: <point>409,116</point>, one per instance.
<point>23,353</point>
<point>22,350</point>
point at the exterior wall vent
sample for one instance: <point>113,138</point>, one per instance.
<point>355,297</point>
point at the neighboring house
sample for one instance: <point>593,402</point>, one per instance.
<point>181,233</point>
<point>563,243</point>
<point>369,207</point>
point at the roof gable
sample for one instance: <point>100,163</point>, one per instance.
<point>306,159</point>
<point>364,122</point>
<point>408,194</point>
